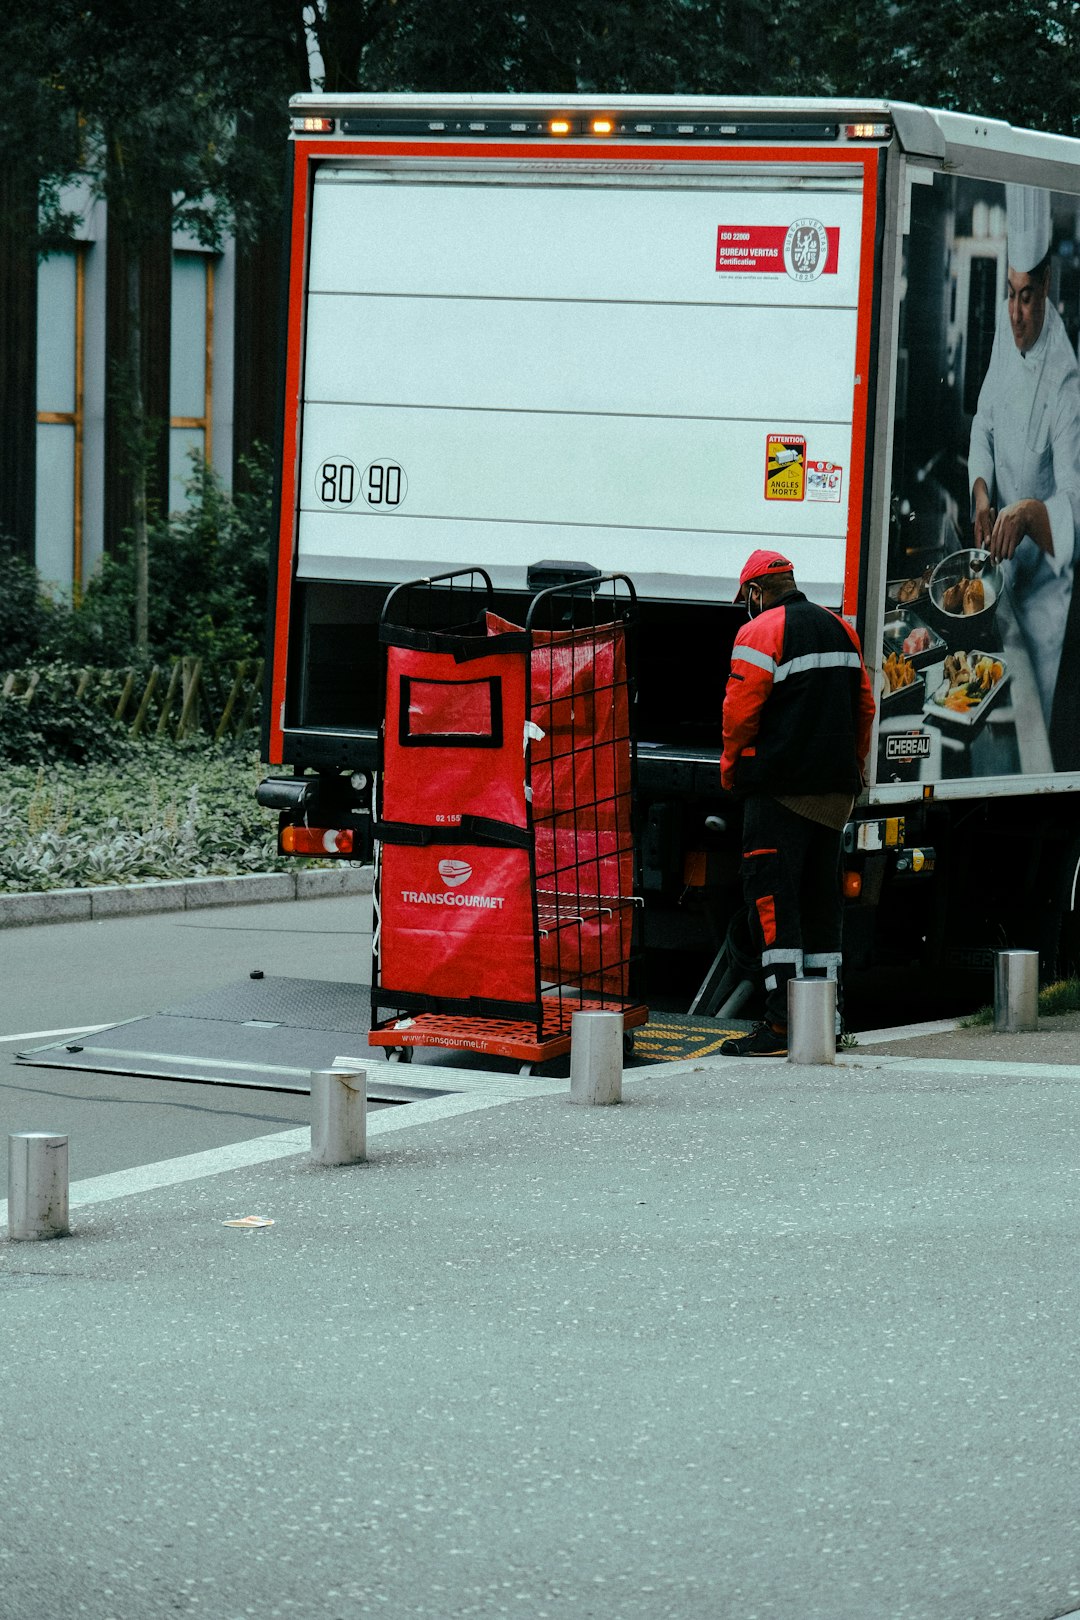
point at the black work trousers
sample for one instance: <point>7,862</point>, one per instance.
<point>791,881</point>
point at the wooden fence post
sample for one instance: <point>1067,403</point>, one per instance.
<point>189,713</point>
<point>230,701</point>
<point>162,727</point>
<point>125,696</point>
<point>139,722</point>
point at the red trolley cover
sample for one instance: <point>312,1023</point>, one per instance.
<point>456,922</point>
<point>453,743</point>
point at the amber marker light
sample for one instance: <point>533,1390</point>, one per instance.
<point>602,126</point>
<point>559,126</point>
<point>852,885</point>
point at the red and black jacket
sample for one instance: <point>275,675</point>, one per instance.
<point>799,706</point>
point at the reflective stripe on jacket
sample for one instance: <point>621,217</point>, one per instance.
<point>799,706</point>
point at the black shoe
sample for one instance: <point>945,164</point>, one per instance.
<point>762,1041</point>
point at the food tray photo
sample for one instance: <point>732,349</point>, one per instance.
<point>971,684</point>
<point>906,633</point>
<point>907,592</point>
<point>906,698</point>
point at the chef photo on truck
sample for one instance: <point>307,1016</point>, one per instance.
<point>979,671</point>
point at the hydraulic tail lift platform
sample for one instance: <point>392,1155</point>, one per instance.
<point>505,894</point>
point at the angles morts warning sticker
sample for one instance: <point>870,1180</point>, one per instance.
<point>785,467</point>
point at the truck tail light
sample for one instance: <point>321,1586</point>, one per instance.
<point>316,841</point>
<point>868,132</point>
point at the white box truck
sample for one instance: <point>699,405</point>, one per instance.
<point>649,335</point>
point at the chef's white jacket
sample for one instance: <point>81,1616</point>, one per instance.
<point>1025,444</point>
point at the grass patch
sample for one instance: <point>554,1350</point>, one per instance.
<point>1054,1000</point>
<point>172,810</point>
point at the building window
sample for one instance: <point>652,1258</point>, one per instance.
<point>61,292</point>
<point>191,369</point>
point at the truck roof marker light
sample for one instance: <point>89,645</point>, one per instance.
<point>852,885</point>
<point>313,126</point>
<point>602,126</point>
<point>559,126</point>
<point>868,132</point>
<point>316,840</point>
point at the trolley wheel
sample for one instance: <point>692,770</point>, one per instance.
<point>628,1043</point>
<point>398,1054</point>
<point>525,1068</point>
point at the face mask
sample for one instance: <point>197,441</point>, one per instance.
<point>753,608</point>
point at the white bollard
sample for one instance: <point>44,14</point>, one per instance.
<point>811,1021</point>
<point>1016,992</point>
<point>338,1116</point>
<point>37,1185</point>
<point>596,1040</point>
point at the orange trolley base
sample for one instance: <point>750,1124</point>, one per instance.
<point>497,1037</point>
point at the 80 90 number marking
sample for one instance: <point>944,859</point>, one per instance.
<point>337,482</point>
<point>384,485</point>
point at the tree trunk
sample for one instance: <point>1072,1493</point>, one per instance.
<point>139,441</point>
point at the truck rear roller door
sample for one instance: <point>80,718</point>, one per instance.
<point>653,372</point>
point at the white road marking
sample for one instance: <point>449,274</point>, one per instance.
<point>284,1144</point>
<point>53,1034</point>
<point>475,1092</point>
<point>903,1032</point>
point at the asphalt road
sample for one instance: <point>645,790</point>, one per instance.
<point>764,1343</point>
<point>760,1344</point>
<point>67,976</point>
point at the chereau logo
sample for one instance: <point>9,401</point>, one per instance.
<point>454,872</point>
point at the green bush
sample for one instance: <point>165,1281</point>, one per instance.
<point>57,725</point>
<point>208,580</point>
<point>208,577</point>
<point>22,606</point>
<point>174,810</point>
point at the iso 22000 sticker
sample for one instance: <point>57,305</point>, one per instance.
<point>806,248</point>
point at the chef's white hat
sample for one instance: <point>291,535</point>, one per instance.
<point>1028,208</point>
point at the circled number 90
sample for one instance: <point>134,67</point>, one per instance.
<point>384,485</point>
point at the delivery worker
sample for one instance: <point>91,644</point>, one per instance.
<point>1024,456</point>
<point>798,714</point>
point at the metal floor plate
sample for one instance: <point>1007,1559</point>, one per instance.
<point>263,1033</point>
<point>270,1033</point>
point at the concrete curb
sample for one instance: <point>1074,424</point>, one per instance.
<point>179,894</point>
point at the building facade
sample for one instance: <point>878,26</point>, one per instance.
<point>65,485</point>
